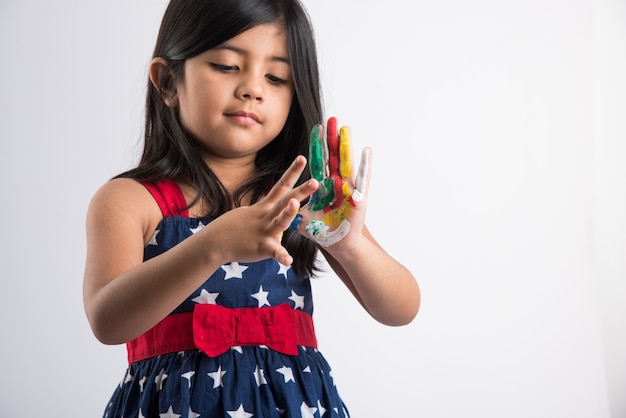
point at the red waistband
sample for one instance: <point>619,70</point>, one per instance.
<point>214,329</point>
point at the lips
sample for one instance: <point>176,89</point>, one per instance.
<point>244,118</point>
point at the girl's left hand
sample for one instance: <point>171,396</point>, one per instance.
<point>335,213</point>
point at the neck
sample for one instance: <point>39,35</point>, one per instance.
<point>232,172</point>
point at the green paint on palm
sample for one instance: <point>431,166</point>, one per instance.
<point>324,196</point>
<point>326,193</point>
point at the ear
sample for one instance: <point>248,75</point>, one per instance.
<point>158,68</point>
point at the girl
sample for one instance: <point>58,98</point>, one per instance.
<point>199,258</point>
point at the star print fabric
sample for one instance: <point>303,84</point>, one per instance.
<point>245,381</point>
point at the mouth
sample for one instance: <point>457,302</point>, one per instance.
<point>244,118</point>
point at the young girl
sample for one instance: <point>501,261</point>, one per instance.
<point>199,258</point>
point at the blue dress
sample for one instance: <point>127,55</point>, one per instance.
<point>244,382</point>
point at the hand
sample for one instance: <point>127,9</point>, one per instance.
<point>332,210</point>
<point>252,233</point>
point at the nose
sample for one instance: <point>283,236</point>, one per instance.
<point>250,88</point>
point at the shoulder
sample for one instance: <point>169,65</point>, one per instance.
<point>126,201</point>
<point>123,192</point>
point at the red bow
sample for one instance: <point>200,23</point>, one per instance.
<point>216,328</point>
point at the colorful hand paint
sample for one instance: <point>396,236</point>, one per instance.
<point>335,197</point>
<point>361,178</point>
<point>296,222</point>
<point>319,232</point>
<point>345,153</point>
<point>332,144</point>
<point>316,154</point>
<point>325,195</point>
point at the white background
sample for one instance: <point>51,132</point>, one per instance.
<point>499,140</point>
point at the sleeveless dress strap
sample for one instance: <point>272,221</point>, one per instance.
<point>169,197</point>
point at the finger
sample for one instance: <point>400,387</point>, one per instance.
<point>316,154</point>
<point>297,195</point>
<point>362,178</point>
<point>345,152</point>
<point>303,191</point>
<point>289,177</point>
<point>317,166</point>
<point>286,216</point>
<point>281,255</point>
<point>332,143</point>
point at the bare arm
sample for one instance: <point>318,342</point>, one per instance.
<point>385,288</point>
<point>124,296</point>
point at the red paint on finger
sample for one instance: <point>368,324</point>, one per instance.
<point>332,142</point>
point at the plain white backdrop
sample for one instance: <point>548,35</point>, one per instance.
<point>499,180</point>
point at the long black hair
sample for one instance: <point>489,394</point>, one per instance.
<point>191,27</point>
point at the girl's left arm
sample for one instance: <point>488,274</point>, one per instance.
<point>334,217</point>
<point>383,286</point>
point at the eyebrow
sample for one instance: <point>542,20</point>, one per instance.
<point>244,52</point>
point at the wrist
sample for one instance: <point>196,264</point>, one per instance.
<point>349,249</point>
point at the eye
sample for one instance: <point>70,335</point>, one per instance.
<point>224,68</point>
<point>276,80</point>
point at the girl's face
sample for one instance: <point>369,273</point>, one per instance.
<point>234,99</point>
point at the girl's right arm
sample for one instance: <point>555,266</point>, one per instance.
<point>125,296</point>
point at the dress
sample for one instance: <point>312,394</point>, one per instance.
<point>248,381</point>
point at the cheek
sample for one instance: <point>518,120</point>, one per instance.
<point>196,110</point>
<point>285,105</point>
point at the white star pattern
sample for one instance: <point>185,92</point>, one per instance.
<point>283,269</point>
<point>259,376</point>
<point>239,413</point>
<point>307,369</point>
<point>297,300</point>
<point>234,270</point>
<point>287,373</point>
<point>261,297</point>
<point>129,377</point>
<point>142,383</point>
<point>307,411</point>
<point>206,297</point>
<point>188,376</point>
<point>160,379</point>
<point>198,228</point>
<point>237,348</point>
<point>192,414</point>
<point>153,240</point>
<point>169,414</point>
<point>321,408</point>
<point>217,377</point>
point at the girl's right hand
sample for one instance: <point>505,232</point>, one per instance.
<point>253,233</point>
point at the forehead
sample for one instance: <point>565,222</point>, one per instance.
<point>267,39</point>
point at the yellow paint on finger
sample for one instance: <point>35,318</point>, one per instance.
<point>345,153</point>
